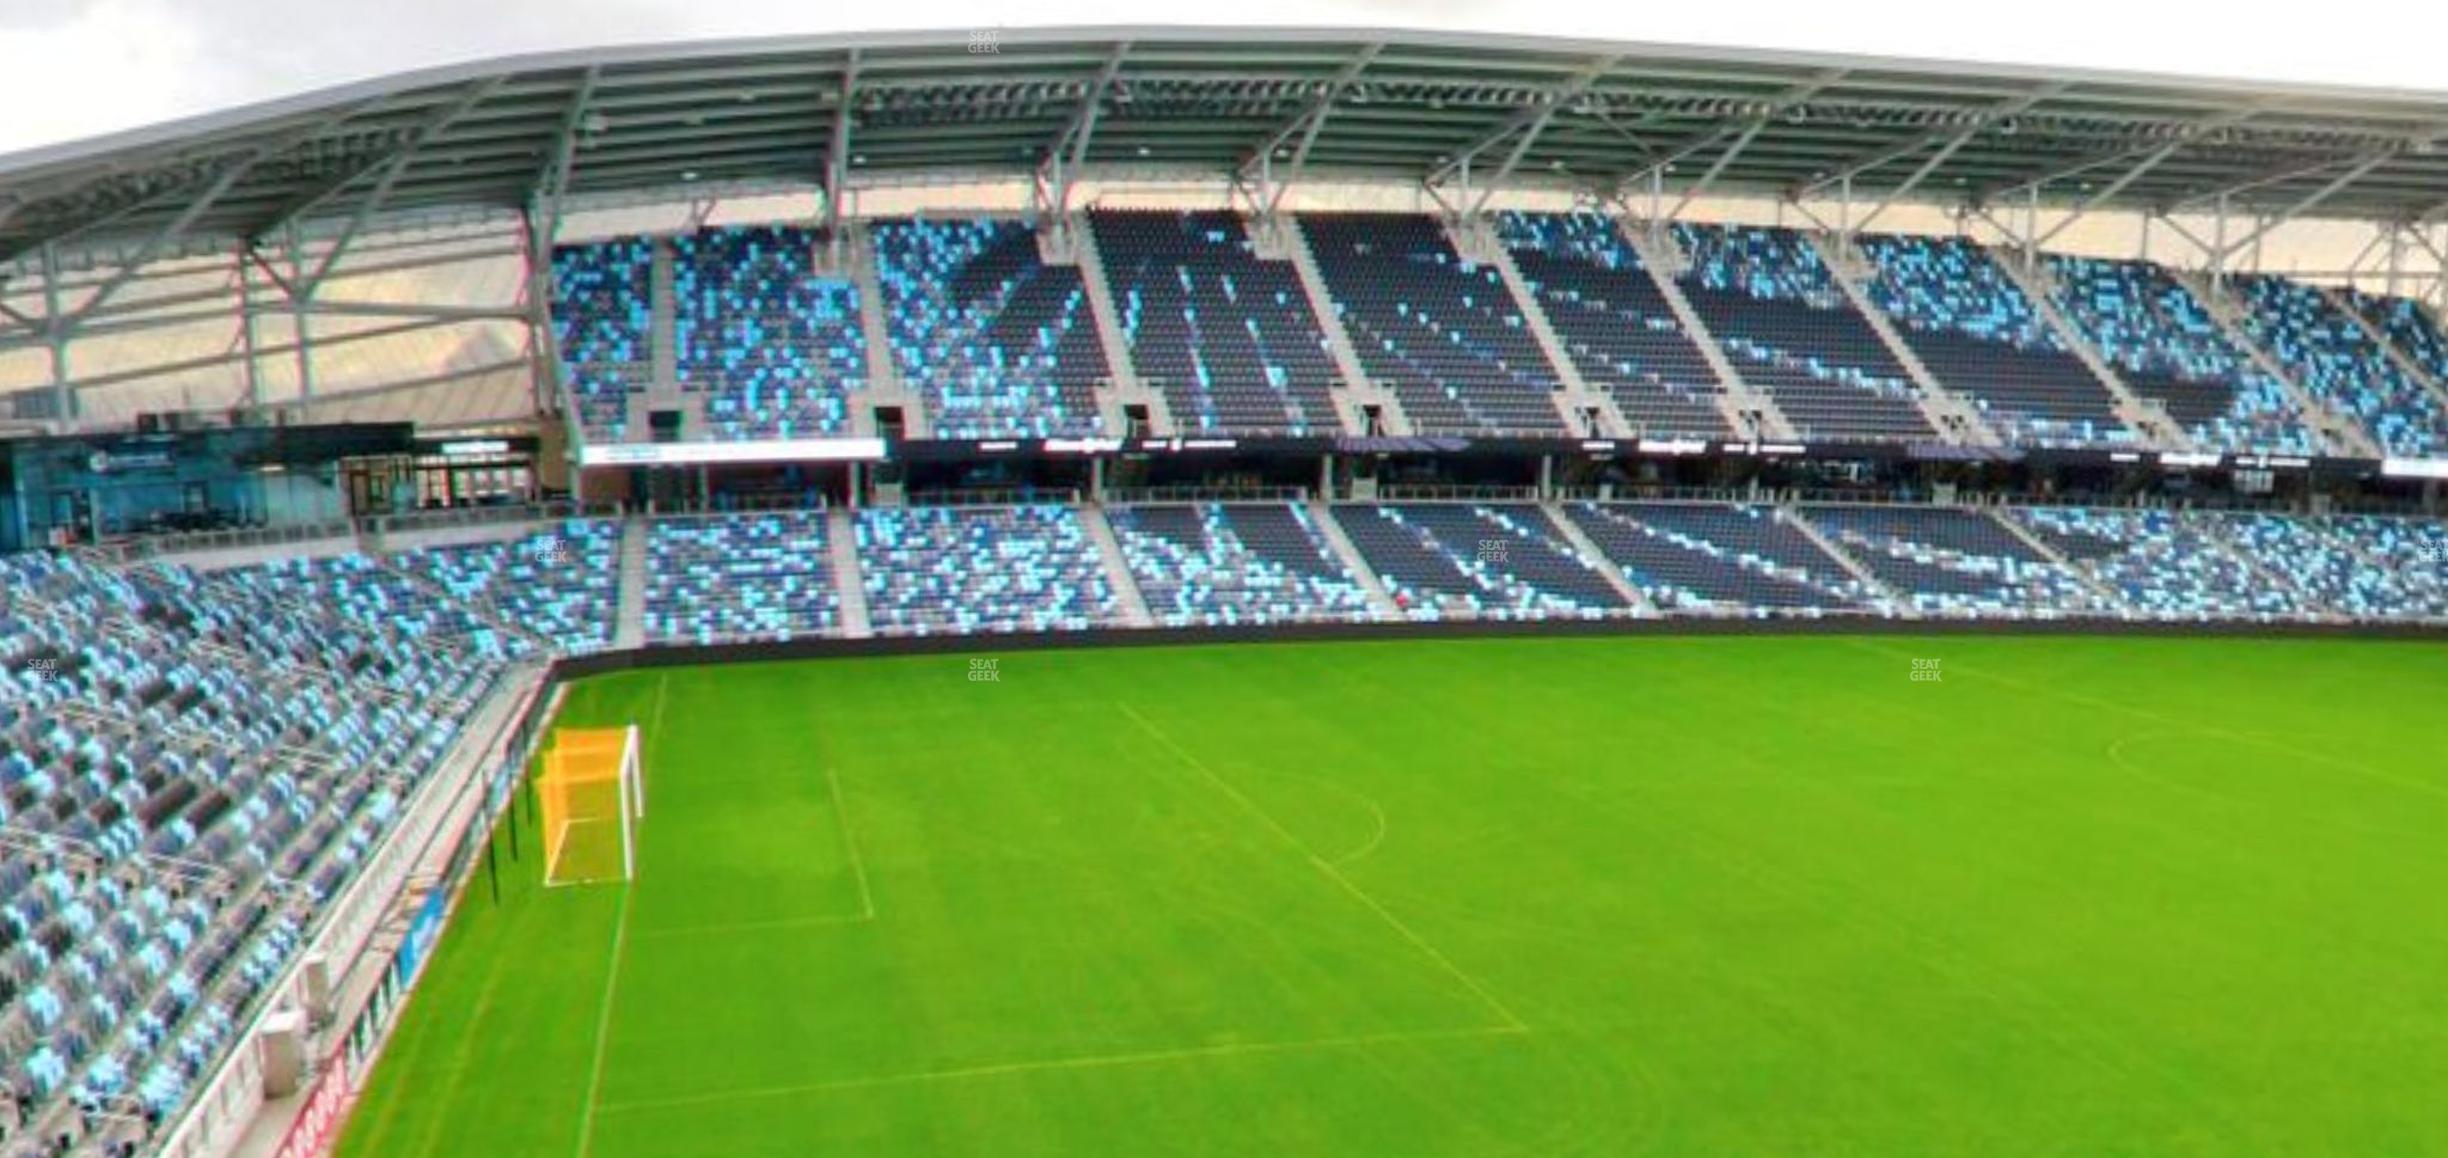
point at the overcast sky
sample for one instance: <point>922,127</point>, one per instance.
<point>76,68</point>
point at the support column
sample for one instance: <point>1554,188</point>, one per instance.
<point>2218,246</point>
<point>63,395</point>
<point>246,327</point>
<point>301,296</point>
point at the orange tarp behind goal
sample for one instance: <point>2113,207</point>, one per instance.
<point>579,798</point>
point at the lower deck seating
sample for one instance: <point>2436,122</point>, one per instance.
<point>1716,558</point>
<point>2162,564</point>
<point>956,570</point>
<point>1492,561</point>
<point>1954,562</point>
<point>558,583</point>
<point>1216,564</point>
<point>739,577</point>
<point>2359,567</point>
<point>191,767</point>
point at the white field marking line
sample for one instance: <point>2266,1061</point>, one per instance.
<point>561,845</point>
<point>2317,757</point>
<point>1375,838</point>
<point>858,871</point>
<point>1094,1061</point>
<point>1328,868</point>
<point>620,944</point>
<point>603,1024</point>
<point>858,866</point>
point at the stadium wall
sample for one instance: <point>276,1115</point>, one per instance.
<point>655,656</point>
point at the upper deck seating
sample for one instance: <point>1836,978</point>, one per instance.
<point>2163,342</point>
<point>1775,308</point>
<point>1615,323</point>
<point>1977,333</point>
<point>1442,333</point>
<point>1224,335</point>
<point>999,343</point>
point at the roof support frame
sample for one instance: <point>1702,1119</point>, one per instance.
<point>2076,168</point>
<point>1743,132</point>
<point>1948,141</point>
<point>392,168</point>
<point>837,155</point>
<point>1069,149</point>
<point>1523,126</point>
<point>551,185</point>
<point>2123,181</point>
<point>175,228</point>
<point>1311,122</point>
<point>2306,203</point>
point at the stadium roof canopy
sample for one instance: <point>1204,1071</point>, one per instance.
<point>1459,113</point>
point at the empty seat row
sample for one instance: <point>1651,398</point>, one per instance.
<point>1774,306</point>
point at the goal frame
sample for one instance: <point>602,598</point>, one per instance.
<point>629,788</point>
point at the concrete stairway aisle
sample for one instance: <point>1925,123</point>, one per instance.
<point>2039,288</point>
<point>2341,430</point>
<point>885,386</point>
<point>1287,238</point>
<point>849,581</point>
<point>1117,568</point>
<point>1642,605</point>
<point>629,600</point>
<point>1663,261</point>
<point>1126,386</point>
<point>1952,414</point>
<point>1380,601</point>
<point>662,349</point>
<point>1578,396</point>
<point>2216,527</point>
<point>1878,587</point>
<point>2080,571</point>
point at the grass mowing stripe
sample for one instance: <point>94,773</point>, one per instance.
<point>1328,868</point>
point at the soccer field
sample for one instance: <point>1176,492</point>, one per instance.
<point>1501,897</point>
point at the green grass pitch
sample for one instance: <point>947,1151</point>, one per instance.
<point>1699,896</point>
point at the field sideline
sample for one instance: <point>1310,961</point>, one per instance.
<point>1539,897</point>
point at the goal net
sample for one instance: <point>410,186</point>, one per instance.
<point>590,797</point>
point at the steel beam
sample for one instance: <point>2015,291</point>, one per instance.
<point>2188,135</point>
<point>551,182</point>
<point>1069,149</point>
<point>1528,121</point>
<point>2310,201</point>
<point>2149,161</point>
<point>1947,140</point>
<point>837,152</point>
<point>1744,130</point>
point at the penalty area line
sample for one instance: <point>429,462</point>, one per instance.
<point>1091,1062</point>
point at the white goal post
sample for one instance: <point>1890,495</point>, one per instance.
<point>591,796</point>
